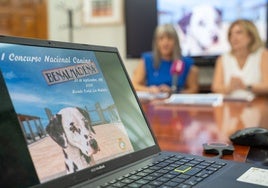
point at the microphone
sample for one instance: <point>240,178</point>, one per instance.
<point>176,69</point>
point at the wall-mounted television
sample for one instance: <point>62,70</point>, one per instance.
<point>202,25</point>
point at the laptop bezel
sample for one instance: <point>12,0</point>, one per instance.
<point>80,176</point>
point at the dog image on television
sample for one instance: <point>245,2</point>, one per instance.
<point>71,129</point>
<point>200,28</point>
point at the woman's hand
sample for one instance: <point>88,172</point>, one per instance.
<point>165,88</point>
<point>160,89</point>
<point>236,83</point>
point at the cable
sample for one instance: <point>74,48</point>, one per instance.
<point>220,154</point>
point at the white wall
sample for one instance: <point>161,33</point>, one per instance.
<point>107,35</point>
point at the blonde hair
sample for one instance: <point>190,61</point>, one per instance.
<point>250,28</point>
<point>168,30</point>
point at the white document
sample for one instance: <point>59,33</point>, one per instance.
<point>257,176</point>
<point>240,95</point>
<point>150,96</point>
<point>195,99</point>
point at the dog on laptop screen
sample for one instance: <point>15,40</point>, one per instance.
<point>200,29</point>
<point>71,129</point>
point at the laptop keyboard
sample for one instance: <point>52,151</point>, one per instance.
<point>173,171</point>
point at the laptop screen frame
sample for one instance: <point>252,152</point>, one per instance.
<point>113,164</point>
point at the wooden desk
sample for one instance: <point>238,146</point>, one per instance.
<point>186,128</point>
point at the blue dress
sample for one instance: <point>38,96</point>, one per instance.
<point>162,75</point>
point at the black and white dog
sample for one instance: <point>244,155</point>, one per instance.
<point>71,128</point>
<point>201,29</point>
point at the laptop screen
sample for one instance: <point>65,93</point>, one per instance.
<point>65,109</point>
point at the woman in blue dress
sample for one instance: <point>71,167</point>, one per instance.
<point>154,72</point>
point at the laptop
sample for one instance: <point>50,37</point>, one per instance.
<point>70,118</point>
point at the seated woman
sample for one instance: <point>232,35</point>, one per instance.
<point>153,73</point>
<point>245,68</point>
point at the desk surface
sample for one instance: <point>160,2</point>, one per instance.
<point>186,128</point>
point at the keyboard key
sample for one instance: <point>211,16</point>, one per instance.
<point>191,182</point>
<point>156,174</point>
<point>119,184</point>
<point>193,171</point>
<point>183,168</point>
<point>220,163</point>
<point>163,171</point>
<point>150,178</point>
<point>163,179</point>
<point>142,174</point>
<point>142,181</point>
<point>127,181</point>
<point>148,171</point>
<point>184,176</point>
<point>134,177</point>
<point>184,186</point>
<point>171,184</point>
<point>169,176</point>
<point>134,185</point>
<point>156,183</point>
<point>178,179</point>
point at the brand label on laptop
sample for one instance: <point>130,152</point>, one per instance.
<point>254,175</point>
